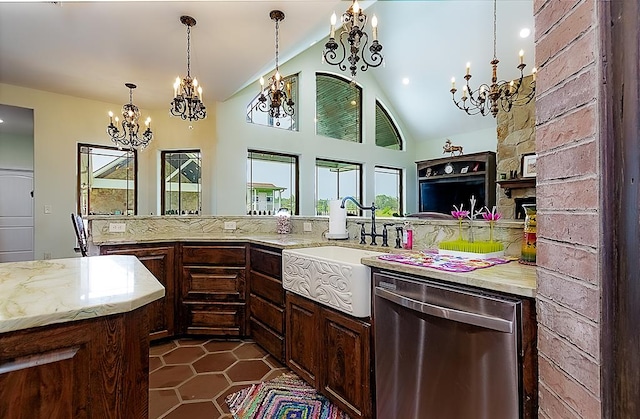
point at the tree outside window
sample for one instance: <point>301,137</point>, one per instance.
<point>388,182</point>
<point>272,182</point>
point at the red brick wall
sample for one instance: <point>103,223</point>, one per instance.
<point>567,143</point>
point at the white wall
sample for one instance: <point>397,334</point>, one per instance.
<point>472,142</point>
<point>236,136</point>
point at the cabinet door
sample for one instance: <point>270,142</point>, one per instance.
<point>345,370</point>
<point>160,261</point>
<point>209,283</point>
<point>302,336</point>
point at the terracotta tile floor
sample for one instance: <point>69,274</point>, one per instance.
<point>189,378</point>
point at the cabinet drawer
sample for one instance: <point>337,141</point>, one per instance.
<point>268,288</point>
<point>267,313</point>
<point>214,319</point>
<point>210,283</point>
<point>268,339</point>
<point>267,262</point>
<point>227,255</point>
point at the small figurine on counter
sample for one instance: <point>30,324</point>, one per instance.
<point>449,148</point>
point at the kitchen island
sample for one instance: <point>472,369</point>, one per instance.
<point>74,337</point>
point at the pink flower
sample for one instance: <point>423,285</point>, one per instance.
<point>460,215</point>
<point>491,215</point>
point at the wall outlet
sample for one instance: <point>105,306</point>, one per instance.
<point>117,227</point>
<point>47,255</point>
<point>307,227</point>
<point>47,209</point>
<point>229,225</point>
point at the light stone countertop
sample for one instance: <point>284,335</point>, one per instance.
<point>43,292</point>
<point>511,278</point>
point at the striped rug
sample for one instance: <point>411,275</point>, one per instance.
<point>284,397</point>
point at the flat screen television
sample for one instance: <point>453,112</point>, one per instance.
<point>440,195</point>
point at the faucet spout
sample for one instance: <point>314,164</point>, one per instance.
<point>352,199</point>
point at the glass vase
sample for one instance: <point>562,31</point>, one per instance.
<point>528,253</point>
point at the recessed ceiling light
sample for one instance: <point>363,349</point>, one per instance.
<point>1,121</point>
<point>405,81</point>
<point>525,32</point>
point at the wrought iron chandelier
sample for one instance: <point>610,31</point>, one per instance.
<point>126,133</point>
<point>353,22</point>
<point>187,100</point>
<point>280,102</point>
<point>487,97</point>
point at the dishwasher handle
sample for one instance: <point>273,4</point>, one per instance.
<point>488,322</point>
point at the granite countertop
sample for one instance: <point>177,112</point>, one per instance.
<point>43,292</point>
<point>512,278</point>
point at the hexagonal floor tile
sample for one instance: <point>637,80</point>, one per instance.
<point>250,351</point>
<point>154,363</point>
<point>170,376</point>
<point>183,355</point>
<point>203,386</point>
<point>161,348</point>
<point>160,401</point>
<point>248,370</point>
<point>199,410</point>
<point>218,346</point>
<point>218,361</point>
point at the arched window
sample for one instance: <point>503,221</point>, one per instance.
<point>290,123</point>
<point>387,134</point>
<point>338,108</point>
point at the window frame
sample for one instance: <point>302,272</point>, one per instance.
<point>79,174</point>
<point>360,186</point>
<point>400,186</point>
<point>163,175</point>
<point>296,158</point>
<point>360,106</point>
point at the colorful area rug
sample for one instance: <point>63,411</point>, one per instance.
<point>285,397</point>
<point>431,259</point>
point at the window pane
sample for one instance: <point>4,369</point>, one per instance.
<point>336,180</point>
<point>107,178</point>
<point>182,186</point>
<point>271,183</point>
<point>256,116</point>
<point>387,134</point>
<point>338,108</point>
<point>388,191</point>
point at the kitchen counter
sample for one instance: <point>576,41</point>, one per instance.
<point>44,292</point>
<point>511,278</point>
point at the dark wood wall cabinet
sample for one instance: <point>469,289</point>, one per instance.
<point>332,352</point>
<point>266,300</point>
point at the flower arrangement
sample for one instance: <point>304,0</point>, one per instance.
<point>471,245</point>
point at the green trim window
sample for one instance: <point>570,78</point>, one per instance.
<point>182,182</point>
<point>388,182</point>
<point>387,133</point>
<point>107,180</point>
<point>335,180</point>
<point>338,108</point>
<point>272,182</point>
<point>290,123</point>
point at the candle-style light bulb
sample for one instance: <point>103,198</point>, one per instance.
<point>534,72</point>
<point>277,75</point>
<point>175,87</point>
<point>148,122</point>
<point>468,68</point>
<point>521,56</point>
<point>117,119</point>
<point>464,92</point>
<point>195,82</point>
<point>356,10</point>
<point>200,92</point>
<point>333,25</point>
<point>374,25</point>
<point>453,82</point>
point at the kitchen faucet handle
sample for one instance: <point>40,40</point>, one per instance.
<point>398,237</point>
<point>363,232</point>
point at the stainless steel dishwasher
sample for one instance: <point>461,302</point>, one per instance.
<point>443,352</point>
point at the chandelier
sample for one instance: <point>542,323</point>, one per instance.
<point>280,102</point>
<point>486,98</point>
<point>187,100</point>
<point>125,133</point>
<point>353,23</point>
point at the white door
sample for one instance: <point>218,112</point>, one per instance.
<point>16,215</point>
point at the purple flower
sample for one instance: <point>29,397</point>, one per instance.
<point>460,215</point>
<point>491,215</point>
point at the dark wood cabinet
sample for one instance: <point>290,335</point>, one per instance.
<point>266,300</point>
<point>161,262</point>
<point>331,351</point>
<point>213,289</point>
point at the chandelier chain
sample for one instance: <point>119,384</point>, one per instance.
<point>277,41</point>
<point>495,19</point>
<point>188,51</point>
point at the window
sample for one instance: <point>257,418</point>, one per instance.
<point>256,116</point>
<point>107,180</point>
<point>181,182</point>
<point>388,191</point>
<point>338,108</point>
<point>272,182</point>
<point>336,180</point>
<point>387,134</point>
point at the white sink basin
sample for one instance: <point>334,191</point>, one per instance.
<point>330,275</point>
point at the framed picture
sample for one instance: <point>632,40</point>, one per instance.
<point>464,169</point>
<point>528,165</point>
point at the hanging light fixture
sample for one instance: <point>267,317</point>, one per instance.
<point>353,22</point>
<point>280,102</point>
<point>125,133</point>
<point>487,97</point>
<point>187,100</point>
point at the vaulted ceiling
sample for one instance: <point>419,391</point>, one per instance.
<point>89,49</point>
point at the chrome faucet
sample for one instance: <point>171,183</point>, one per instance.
<point>373,233</point>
